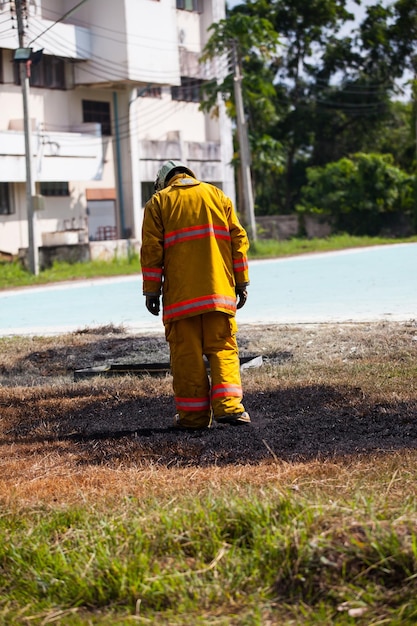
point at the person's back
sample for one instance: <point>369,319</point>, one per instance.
<point>198,222</point>
<point>194,250</point>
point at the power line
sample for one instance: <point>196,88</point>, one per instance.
<point>143,127</point>
<point>67,14</point>
<point>100,70</point>
<point>103,67</point>
<point>38,24</point>
<point>110,30</point>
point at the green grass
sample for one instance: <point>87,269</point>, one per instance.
<point>257,558</point>
<point>13,275</point>
<point>272,248</point>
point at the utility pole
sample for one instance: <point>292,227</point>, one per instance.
<point>24,67</point>
<point>413,84</point>
<point>244,151</point>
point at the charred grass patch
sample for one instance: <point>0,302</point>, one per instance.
<point>308,515</point>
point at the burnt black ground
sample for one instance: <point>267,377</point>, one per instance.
<point>129,420</point>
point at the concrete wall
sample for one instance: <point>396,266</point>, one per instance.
<point>80,253</point>
<point>277,226</point>
<point>287,226</point>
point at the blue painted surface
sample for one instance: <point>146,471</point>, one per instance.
<point>359,285</point>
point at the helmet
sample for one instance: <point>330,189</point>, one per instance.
<point>167,171</point>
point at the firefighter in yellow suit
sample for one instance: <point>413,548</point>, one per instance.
<point>194,251</point>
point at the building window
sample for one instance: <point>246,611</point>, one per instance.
<point>54,189</point>
<point>148,190</point>
<point>190,5</point>
<point>189,91</point>
<point>48,73</point>
<point>149,92</point>
<point>6,205</point>
<point>99,112</point>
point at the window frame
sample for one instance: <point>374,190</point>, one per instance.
<point>147,190</point>
<point>98,112</point>
<point>151,91</point>
<point>49,73</point>
<point>188,91</point>
<point>7,206</point>
<point>184,5</point>
<point>54,189</point>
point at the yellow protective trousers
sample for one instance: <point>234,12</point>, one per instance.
<point>213,335</point>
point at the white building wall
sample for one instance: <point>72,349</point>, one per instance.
<point>13,228</point>
<point>58,214</point>
<point>119,47</point>
<point>161,117</point>
<point>189,29</point>
<point>152,43</point>
<point>58,39</point>
<point>133,40</point>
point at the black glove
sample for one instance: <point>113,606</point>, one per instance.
<point>242,296</point>
<point>152,304</point>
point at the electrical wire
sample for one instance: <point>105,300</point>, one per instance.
<point>67,14</point>
<point>111,30</point>
<point>355,88</point>
<point>349,106</point>
<point>100,66</point>
<point>96,68</point>
<point>151,120</point>
<point>36,25</point>
<point>5,31</point>
<point>101,69</point>
<point>168,109</point>
<point>141,38</point>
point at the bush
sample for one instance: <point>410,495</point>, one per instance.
<point>360,194</point>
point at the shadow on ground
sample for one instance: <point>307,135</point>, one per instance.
<point>127,420</point>
<point>295,424</point>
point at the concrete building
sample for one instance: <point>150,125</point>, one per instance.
<point>115,94</point>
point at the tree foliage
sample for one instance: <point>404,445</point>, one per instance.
<point>316,91</point>
<point>358,193</point>
<point>250,42</point>
<point>253,41</point>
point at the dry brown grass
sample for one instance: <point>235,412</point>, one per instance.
<point>334,410</point>
<point>51,477</point>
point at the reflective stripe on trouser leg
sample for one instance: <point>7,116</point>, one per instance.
<point>220,347</point>
<point>190,380</point>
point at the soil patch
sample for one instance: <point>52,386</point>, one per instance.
<point>324,391</point>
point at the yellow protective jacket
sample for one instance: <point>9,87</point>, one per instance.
<point>193,248</point>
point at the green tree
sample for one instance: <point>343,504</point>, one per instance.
<point>305,28</point>
<point>318,95</point>
<point>361,195</point>
<point>251,42</point>
<point>396,136</point>
<point>276,86</point>
<point>359,111</point>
